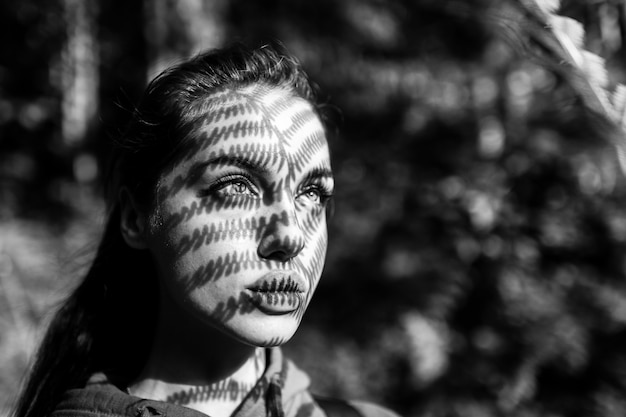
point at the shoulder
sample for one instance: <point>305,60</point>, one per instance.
<point>94,400</point>
<point>342,408</point>
<point>103,399</point>
<point>372,410</point>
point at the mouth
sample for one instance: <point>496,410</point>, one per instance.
<point>278,292</point>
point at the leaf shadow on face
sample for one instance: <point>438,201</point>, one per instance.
<point>208,227</point>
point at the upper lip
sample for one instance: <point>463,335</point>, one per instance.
<point>279,281</point>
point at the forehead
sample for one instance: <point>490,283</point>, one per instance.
<point>259,122</point>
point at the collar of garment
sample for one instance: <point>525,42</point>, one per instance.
<point>282,391</point>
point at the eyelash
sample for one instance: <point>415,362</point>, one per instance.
<point>325,194</point>
<point>227,180</point>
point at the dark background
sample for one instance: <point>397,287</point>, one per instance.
<point>476,260</point>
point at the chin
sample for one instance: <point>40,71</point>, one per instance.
<point>267,331</point>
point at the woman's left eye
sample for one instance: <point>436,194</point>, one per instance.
<point>316,195</point>
<point>313,194</point>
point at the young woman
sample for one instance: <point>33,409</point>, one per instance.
<point>214,245</point>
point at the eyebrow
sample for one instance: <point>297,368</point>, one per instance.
<point>321,172</point>
<point>229,160</point>
<point>246,164</point>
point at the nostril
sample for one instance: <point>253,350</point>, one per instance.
<point>274,248</point>
<point>281,256</point>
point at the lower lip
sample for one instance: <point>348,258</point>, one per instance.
<point>276,302</point>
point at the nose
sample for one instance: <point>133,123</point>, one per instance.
<point>282,238</point>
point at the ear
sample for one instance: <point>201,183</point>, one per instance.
<point>133,221</point>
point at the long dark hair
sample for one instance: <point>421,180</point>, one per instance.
<point>107,323</point>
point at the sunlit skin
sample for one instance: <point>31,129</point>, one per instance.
<point>238,235</point>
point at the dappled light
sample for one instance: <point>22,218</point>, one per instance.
<point>476,240</point>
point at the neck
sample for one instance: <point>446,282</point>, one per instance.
<point>197,366</point>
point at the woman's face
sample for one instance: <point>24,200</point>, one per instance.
<point>238,231</point>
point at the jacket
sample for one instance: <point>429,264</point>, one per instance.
<point>282,391</point>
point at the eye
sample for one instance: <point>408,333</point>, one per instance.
<point>315,194</point>
<point>234,188</point>
<point>230,186</point>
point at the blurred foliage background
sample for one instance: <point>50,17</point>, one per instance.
<point>476,261</point>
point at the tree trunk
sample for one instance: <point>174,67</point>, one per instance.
<point>80,77</point>
<point>175,29</point>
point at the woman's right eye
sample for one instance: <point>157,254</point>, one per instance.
<point>234,188</point>
<point>235,185</point>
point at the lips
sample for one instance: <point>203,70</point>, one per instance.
<point>278,292</point>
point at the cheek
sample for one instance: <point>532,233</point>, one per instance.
<point>205,250</point>
<point>313,225</point>
<point>177,234</point>
<point>311,218</point>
